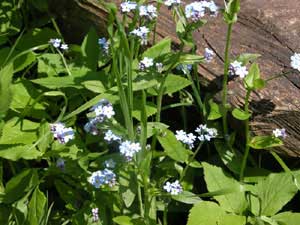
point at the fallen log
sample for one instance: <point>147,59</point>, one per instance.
<point>266,27</point>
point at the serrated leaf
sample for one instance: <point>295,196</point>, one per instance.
<point>240,114</point>
<point>172,146</point>
<point>216,179</point>
<point>90,51</point>
<point>263,142</point>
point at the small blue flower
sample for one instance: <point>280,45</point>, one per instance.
<point>61,133</point>
<point>104,44</point>
<point>173,188</point>
<point>103,177</point>
<point>128,149</point>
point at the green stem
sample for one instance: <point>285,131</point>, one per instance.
<point>189,161</point>
<point>247,134</point>
<point>225,80</point>
<point>278,75</point>
<point>64,62</point>
<point>165,215</point>
<point>196,92</point>
<point>280,161</point>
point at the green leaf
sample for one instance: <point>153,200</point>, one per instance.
<point>155,128</point>
<point>137,107</point>
<point>187,197</point>
<point>215,111</point>
<point>190,59</point>
<point>90,50</point>
<point>123,220</point>
<point>17,152</point>
<point>95,86</point>
<point>287,218</point>
<point>274,192</point>
<point>259,84</point>
<point>216,179</point>
<point>37,208</point>
<point>56,82</point>
<point>253,74</point>
<point>172,146</point>
<point>5,211</point>
<point>247,57</point>
<point>162,47</point>
<point>5,89</point>
<point>36,37</point>
<point>20,184</point>
<point>263,142</point>
<point>50,65</point>
<point>23,61</point>
<point>210,213</point>
<point>240,114</point>
<point>19,132</point>
<point>232,159</point>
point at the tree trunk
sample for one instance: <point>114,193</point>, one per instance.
<point>267,27</point>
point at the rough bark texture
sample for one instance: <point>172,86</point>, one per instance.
<point>270,28</point>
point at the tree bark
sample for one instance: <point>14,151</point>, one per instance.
<point>267,27</point>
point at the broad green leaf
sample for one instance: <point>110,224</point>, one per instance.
<point>287,218</point>
<point>44,136</point>
<point>232,159</point>
<point>247,57</point>
<point>90,50</point>
<point>216,179</point>
<point>50,65</point>
<point>23,61</point>
<point>36,37</point>
<point>172,146</point>
<point>37,208</point>
<point>123,220</point>
<point>172,84</point>
<point>19,132</point>
<point>274,192</point>
<point>95,86</point>
<point>253,74</point>
<point>155,128</point>
<point>20,184</point>
<point>263,142</point>
<point>17,152</point>
<point>56,82</point>
<point>127,187</point>
<point>214,111</point>
<point>187,197</point>
<point>259,84</point>
<point>10,18</point>
<point>162,47</point>
<point>210,213</point>
<point>240,114</point>
<point>6,74</point>
<point>137,107</point>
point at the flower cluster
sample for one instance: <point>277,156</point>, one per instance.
<point>280,133</point>
<point>185,138</point>
<point>103,110</point>
<point>171,3</point>
<point>295,61</point>
<point>183,67</point>
<point>142,33</point>
<point>104,44</point>
<point>146,63</point>
<point>57,43</point>
<point>208,54</point>
<point>128,149</point>
<point>197,10</point>
<point>205,133</point>
<point>173,188</point>
<point>148,11</point>
<point>103,177</point>
<point>95,214</point>
<point>61,133</point>
<point>236,68</point>
<point>110,136</point>
<point>128,6</point>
